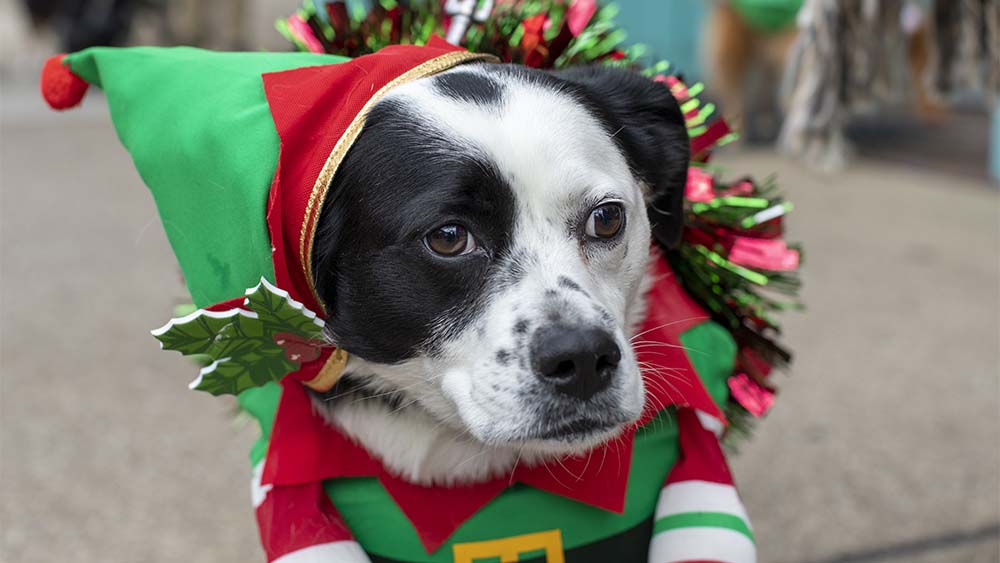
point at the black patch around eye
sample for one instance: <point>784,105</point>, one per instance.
<point>470,87</point>
<point>387,297</point>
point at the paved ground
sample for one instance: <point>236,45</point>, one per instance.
<point>884,446</point>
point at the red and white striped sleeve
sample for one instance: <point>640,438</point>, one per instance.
<point>699,516</point>
<point>299,524</point>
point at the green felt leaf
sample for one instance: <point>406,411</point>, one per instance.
<point>242,336</point>
<point>231,376</point>
<point>280,313</point>
<point>245,349</point>
<point>195,333</point>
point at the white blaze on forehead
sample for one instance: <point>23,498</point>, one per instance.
<point>548,146</point>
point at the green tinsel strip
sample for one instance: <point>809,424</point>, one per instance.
<point>390,22</point>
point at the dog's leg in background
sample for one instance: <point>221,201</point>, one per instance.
<point>927,107</point>
<point>745,65</point>
<point>728,51</point>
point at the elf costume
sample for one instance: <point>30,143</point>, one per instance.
<point>239,149</point>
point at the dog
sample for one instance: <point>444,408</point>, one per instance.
<point>483,242</point>
<point>483,254</point>
<point>746,64</point>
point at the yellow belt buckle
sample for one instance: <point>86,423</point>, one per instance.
<point>508,549</point>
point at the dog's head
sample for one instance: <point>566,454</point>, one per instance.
<point>483,248</point>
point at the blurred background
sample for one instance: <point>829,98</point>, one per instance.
<point>884,444</point>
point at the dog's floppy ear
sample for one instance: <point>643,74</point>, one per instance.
<point>648,125</point>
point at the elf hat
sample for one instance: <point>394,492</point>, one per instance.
<point>238,150</point>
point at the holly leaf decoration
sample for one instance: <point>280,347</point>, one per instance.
<point>247,347</point>
<point>231,376</point>
<point>278,312</point>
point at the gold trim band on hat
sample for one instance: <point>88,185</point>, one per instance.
<point>318,194</point>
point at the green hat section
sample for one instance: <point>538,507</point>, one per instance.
<point>200,132</point>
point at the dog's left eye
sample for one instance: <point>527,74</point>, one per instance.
<point>605,220</point>
<point>450,240</point>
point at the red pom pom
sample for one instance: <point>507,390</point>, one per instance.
<point>60,87</point>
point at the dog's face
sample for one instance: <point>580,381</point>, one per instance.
<point>483,247</point>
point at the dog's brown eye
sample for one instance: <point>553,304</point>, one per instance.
<point>450,240</point>
<point>605,220</point>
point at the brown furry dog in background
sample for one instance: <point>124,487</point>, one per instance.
<point>745,64</point>
<point>742,59</point>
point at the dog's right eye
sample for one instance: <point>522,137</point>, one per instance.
<point>605,221</point>
<point>450,240</point>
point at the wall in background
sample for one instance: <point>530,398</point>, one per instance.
<point>671,29</point>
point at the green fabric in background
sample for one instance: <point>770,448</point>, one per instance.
<point>768,15</point>
<point>199,129</point>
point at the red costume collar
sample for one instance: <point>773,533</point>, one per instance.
<point>318,112</point>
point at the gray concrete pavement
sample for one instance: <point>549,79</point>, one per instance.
<point>884,445</point>
<point>886,437</point>
<point>106,455</point>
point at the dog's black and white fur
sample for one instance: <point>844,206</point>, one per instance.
<point>517,349</point>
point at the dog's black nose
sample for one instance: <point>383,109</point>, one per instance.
<point>576,361</point>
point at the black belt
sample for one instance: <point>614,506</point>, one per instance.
<point>630,546</point>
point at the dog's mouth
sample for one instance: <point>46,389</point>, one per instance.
<point>575,430</point>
